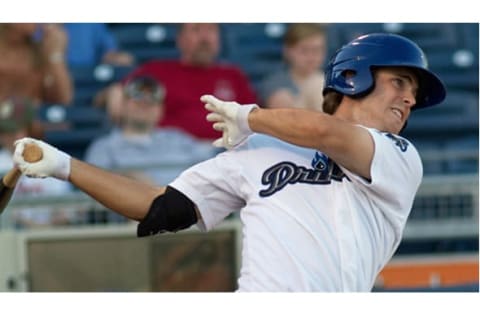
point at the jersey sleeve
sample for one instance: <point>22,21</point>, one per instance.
<point>396,174</point>
<point>213,186</point>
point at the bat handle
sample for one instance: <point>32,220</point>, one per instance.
<point>7,185</point>
<point>11,178</point>
<point>31,153</point>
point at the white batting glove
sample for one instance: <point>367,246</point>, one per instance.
<point>230,118</point>
<point>54,163</point>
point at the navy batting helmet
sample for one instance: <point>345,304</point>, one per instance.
<point>381,50</point>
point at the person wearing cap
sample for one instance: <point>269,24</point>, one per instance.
<point>16,120</point>
<point>140,149</point>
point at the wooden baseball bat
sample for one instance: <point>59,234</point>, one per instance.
<point>31,153</point>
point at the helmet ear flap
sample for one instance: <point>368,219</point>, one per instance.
<point>347,80</point>
<point>350,77</point>
<point>348,73</point>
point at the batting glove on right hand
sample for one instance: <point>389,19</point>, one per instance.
<point>230,118</point>
<point>54,163</point>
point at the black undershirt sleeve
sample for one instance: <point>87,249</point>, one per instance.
<point>171,211</point>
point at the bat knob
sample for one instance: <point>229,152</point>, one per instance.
<point>32,152</point>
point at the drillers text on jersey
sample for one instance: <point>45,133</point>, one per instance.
<point>283,173</point>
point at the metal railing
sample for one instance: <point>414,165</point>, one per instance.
<point>445,207</point>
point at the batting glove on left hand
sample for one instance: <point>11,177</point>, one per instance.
<point>230,118</point>
<point>54,163</point>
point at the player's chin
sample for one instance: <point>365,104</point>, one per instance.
<point>395,127</point>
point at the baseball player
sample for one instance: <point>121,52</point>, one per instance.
<point>322,219</point>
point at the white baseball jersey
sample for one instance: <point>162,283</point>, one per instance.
<point>308,224</point>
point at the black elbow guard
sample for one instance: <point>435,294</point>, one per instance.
<point>171,211</point>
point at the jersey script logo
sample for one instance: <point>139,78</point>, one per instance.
<point>279,175</point>
<point>401,143</point>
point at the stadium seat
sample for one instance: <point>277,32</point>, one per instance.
<point>89,80</point>
<point>428,150</point>
<point>77,117</point>
<point>457,114</point>
<point>429,36</point>
<point>340,34</point>
<point>75,141</point>
<point>458,68</point>
<point>425,34</point>
<point>146,41</point>
<point>261,40</point>
<point>467,149</point>
<point>254,47</point>
<point>450,130</point>
<point>467,35</point>
<point>72,128</point>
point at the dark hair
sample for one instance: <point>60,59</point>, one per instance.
<point>331,101</point>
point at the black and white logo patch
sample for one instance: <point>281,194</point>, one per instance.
<point>400,142</point>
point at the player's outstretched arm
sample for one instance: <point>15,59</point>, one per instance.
<point>129,197</point>
<point>349,145</point>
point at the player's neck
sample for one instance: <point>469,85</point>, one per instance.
<point>349,112</point>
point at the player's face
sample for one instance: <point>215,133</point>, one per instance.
<point>388,106</point>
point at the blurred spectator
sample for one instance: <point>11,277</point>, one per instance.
<point>16,117</point>
<point>300,83</point>
<point>32,63</point>
<point>138,148</point>
<point>194,74</point>
<point>90,44</point>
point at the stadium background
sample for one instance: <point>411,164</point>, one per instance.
<point>439,251</point>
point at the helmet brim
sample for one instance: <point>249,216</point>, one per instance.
<point>432,90</point>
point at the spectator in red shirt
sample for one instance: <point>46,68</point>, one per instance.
<point>196,73</point>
